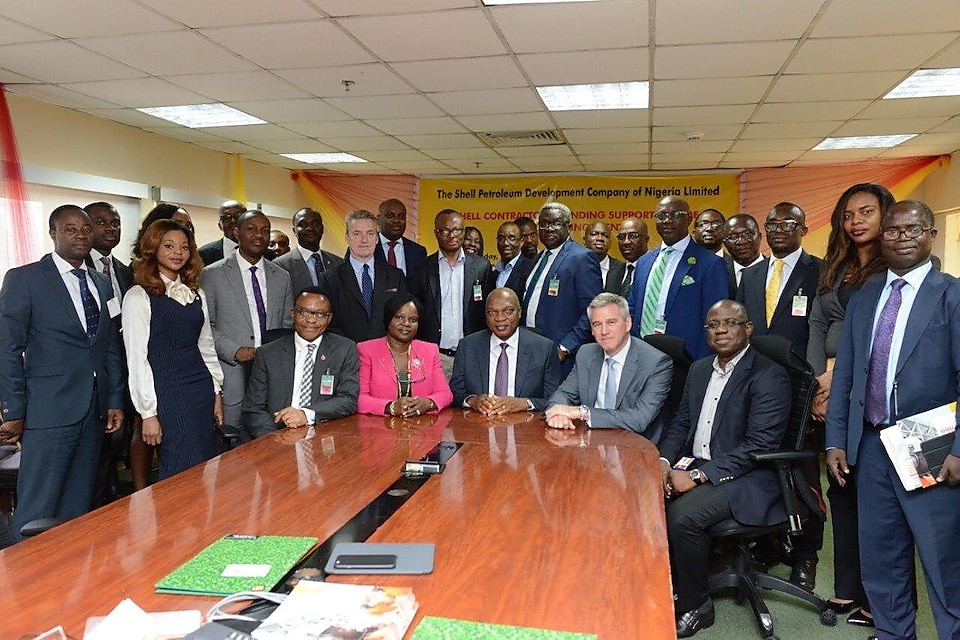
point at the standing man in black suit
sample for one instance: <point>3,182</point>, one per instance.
<point>106,237</point>
<point>708,230</point>
<point>741,237</point>
<point>61,372</point>
<point>305,378</point>
<point>632,239</point>
<point>393,248</point>
<point>495,379</point>
<point>596,237</point>
<point>734,404</point>
<point>227,245</point>
<point>451,284</point>
<point>308,261</point>
<point>529,240</point>
<point>514,267</point>
<point>358,289</point>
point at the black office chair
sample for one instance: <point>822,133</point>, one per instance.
<point>674,347</point>
<point>799,500</point>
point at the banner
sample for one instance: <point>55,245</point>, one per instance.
<point>486,203</point>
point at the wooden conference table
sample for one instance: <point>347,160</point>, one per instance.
<point>533,526</point>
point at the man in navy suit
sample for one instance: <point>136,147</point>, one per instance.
<point>393,248</point>
<point>514,268</point>
<point>227,218</point>
<point>530,370</point>
<point>61,370</point>
<point>106,237</point>
<point>899,356</point>
<point>565,279</point>
<point>675,285</point>
<point>734,404</point>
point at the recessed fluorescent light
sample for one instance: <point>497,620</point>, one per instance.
<point>863,142</point>
<point>197,116</point>
<point>491,3</point>
<point>579,97</point>
<point>928,83</point>
<point>322,158</point>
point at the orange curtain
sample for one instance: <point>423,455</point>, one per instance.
<point>336,195</point>
<point>25,248</point>
<point>816,189</point>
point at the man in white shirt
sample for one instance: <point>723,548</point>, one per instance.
<point>741,237</point>
<point>106,237</point>
<point>308,262</point>
<point>708,230</point>
<point>393,248</point>
<point>633,240</point>
<point>596,237</point>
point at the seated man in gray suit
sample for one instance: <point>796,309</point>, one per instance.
<point>504,368</point>
<point>619,381</point>
<point>305,378</point>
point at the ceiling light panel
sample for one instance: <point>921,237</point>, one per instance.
<point>322,158</point>
<point>197,116</point>
<point>581,97</point>
<point>863,142</point>
<point>928,83</point>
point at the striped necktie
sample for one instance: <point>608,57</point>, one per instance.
<point>306,382</point>
<point>649,318</point>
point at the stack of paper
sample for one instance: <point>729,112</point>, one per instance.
<point>904,444</point>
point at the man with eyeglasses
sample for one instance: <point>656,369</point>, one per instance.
<point>305,378</point>
<point>564,281</point>
<point>451,285</point>
<point>505,368</point>
<point>741,237</point>
<point>677,283</point>
<point>707,230</point>
<point>229,213</point>
<point>735,403</point>
<point>778,293</point>
<point>632,239</point>
<point>596,237</point>
<point>514,267</point>
<point>393,248</point>
<point>899,355</point>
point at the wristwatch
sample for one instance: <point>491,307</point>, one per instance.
<point>584,412</point>
<point>697,477</point>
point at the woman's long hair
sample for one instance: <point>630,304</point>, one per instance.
<point>841,259</point>
<point>146,269</point>
<point>163,211</point>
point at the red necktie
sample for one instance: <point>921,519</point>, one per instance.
<point>391,255</point>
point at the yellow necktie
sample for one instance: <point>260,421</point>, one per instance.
<point>773,288</point>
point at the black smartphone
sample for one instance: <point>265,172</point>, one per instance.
<point>366,561</point>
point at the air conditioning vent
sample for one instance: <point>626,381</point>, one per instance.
<point>522,138</point>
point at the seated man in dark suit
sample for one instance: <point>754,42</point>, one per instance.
<point>619,381</point>
<point>305,378</point>
<point>494,379</point>
<point>734,403</point>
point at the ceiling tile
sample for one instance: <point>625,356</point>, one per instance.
<point>709,91</point>
<point>685,147</point>
<point>698,159</point>
<point>294,146</point>
<point>577,26</point>
<point>61,61</point>
<point>12,33</point>
<point>179,52</point>
<point>349,128</point>
<point>289,111</point>
<point>605,135</point>
<point>949,58</point>
<point>950,126</point>
<point>376,7</point>
<point>243,85</point>
<point>225,13</point>
<point>695,21</point>
<point>366,143</point>
<point>809,112</point>
<point>861,18</point>
<point>232,147</point>
<point>460,153</point>
<point>914,152</point>
<point>687,165</point>
<point>938,138</point>
<point>778,144</point>
<point>139,92</point>
<point>626,165</point>
<point>840,55</point>
<point>768,158</point>
<point>838,155</point>
<point>58,95</point>
<point>834,86</point>
<point>591,119</point>
<point>417,166</point>
<point>912,108</point>
<point>255,132</point>
<point>486,166</point>
<point>491,101</point>
<point>127,116</point>
<point>374,79</point>
<point>721,60</point>
<point>507,122</point>
<point>462,74</point>
<point>90,19</point>
<point>464,141</point>
<point>626,148</point>
<point>374,107</point>
<point>582,67</point>
<point>466,33</point>
<point>11,78</point>
<point>537,151</point>
<point>186,134</point>
<point>711,132</point>
<point>608,157</point>
<point>767,130</point>
<point>287,46</point>
<point>395,155</point>
<point>693,116</point>
<point>889,127</point>
<point>548,164</point>
<point>417,126</point>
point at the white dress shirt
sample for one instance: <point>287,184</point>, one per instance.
<point>738,268</point>
<point>229,246</point>
<point>513,350</point>
<point>545,275</point>
<point>678,248</point>
<point>136,338</point>
<point>73,286</point>
<point>451,301</point>
<point>620,358</point>
<point>300,346</point>
<point>397,251</point>
<point>247,278</point>
<point>708,411</point>
<point>97,258</point>
<point>604,268</point>
<point>789,262</point>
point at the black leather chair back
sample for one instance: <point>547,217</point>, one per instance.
<point>673,346</point>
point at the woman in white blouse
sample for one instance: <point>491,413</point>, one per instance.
<point>174,375</point>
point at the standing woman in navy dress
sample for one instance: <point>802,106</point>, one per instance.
<point>175,378</point>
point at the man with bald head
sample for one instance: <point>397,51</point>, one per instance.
<point>596,237</point>
<point>633,239</point>
<point>308,261</point>
<point>227,218</point>
<point>707,230</point>
<point>741,237</point>
<point>514,267</point>
<point>279,242</point>
<point>677,283</point>
<point>393,248</point>
<point>505,368</point>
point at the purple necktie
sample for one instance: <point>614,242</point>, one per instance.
<point>876,410</point>
<point>258,299</point>
<point>503,372</point>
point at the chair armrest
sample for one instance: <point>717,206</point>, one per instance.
<point>36,527</point>
<point>229,435</point>
<point>783,455</point>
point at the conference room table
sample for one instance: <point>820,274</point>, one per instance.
<point>533,526</point>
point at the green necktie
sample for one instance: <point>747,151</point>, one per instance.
<point>649,318</point>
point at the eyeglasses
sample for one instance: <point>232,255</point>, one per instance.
<point>729,323</point>
<point>663,216</point>
<point>447,233</point>
<point>633,236</point>
<point>229,216</point>
<point>508,238</point>
<point>737,238</point>
<point>509,312</point>
<point>707,225</point>
<point>316,315</point>
<point>911,232</point>
<point>788,226</point>
<point>550,226</point>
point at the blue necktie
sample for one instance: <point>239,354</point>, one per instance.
<point>536,277</point>
<point>318,268</point>
<point>258,299</point>
<point>91,311</point>
<point>367,290</point>
<point>875,409</point>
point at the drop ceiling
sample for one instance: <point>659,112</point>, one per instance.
<point>760,82</point>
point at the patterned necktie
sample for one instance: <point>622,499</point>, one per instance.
<point>773,289</point>
<point>106,266</point>
<point>503,372</point>
<point>610,386</point>
<point>876,410</point>
<point>318,267</point>
<point>367,290</point>
<point>627,281</point>
<point>258,299</point>
<point>652,297</point>
<point>306,382</point>
<point>536,277</point>
<point>391,254</point>
<point>91,312</point>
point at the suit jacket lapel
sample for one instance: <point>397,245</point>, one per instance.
<point>483,365</point>
<point>755,288</point>
<point>640,277</point>
<point>231,270</point>
<point>678,276</point>
<point>924,306</point>
<point>348,278</point>
<point>630,368</point>
<point>275,299</point>
<point>785,303</point>
<point>593,379</point>
<point>732,387</point>
<point>433,282</point>
<point>59,289</point>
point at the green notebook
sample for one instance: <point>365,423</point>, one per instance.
<point>431,628</point>
<point>237,563</point>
